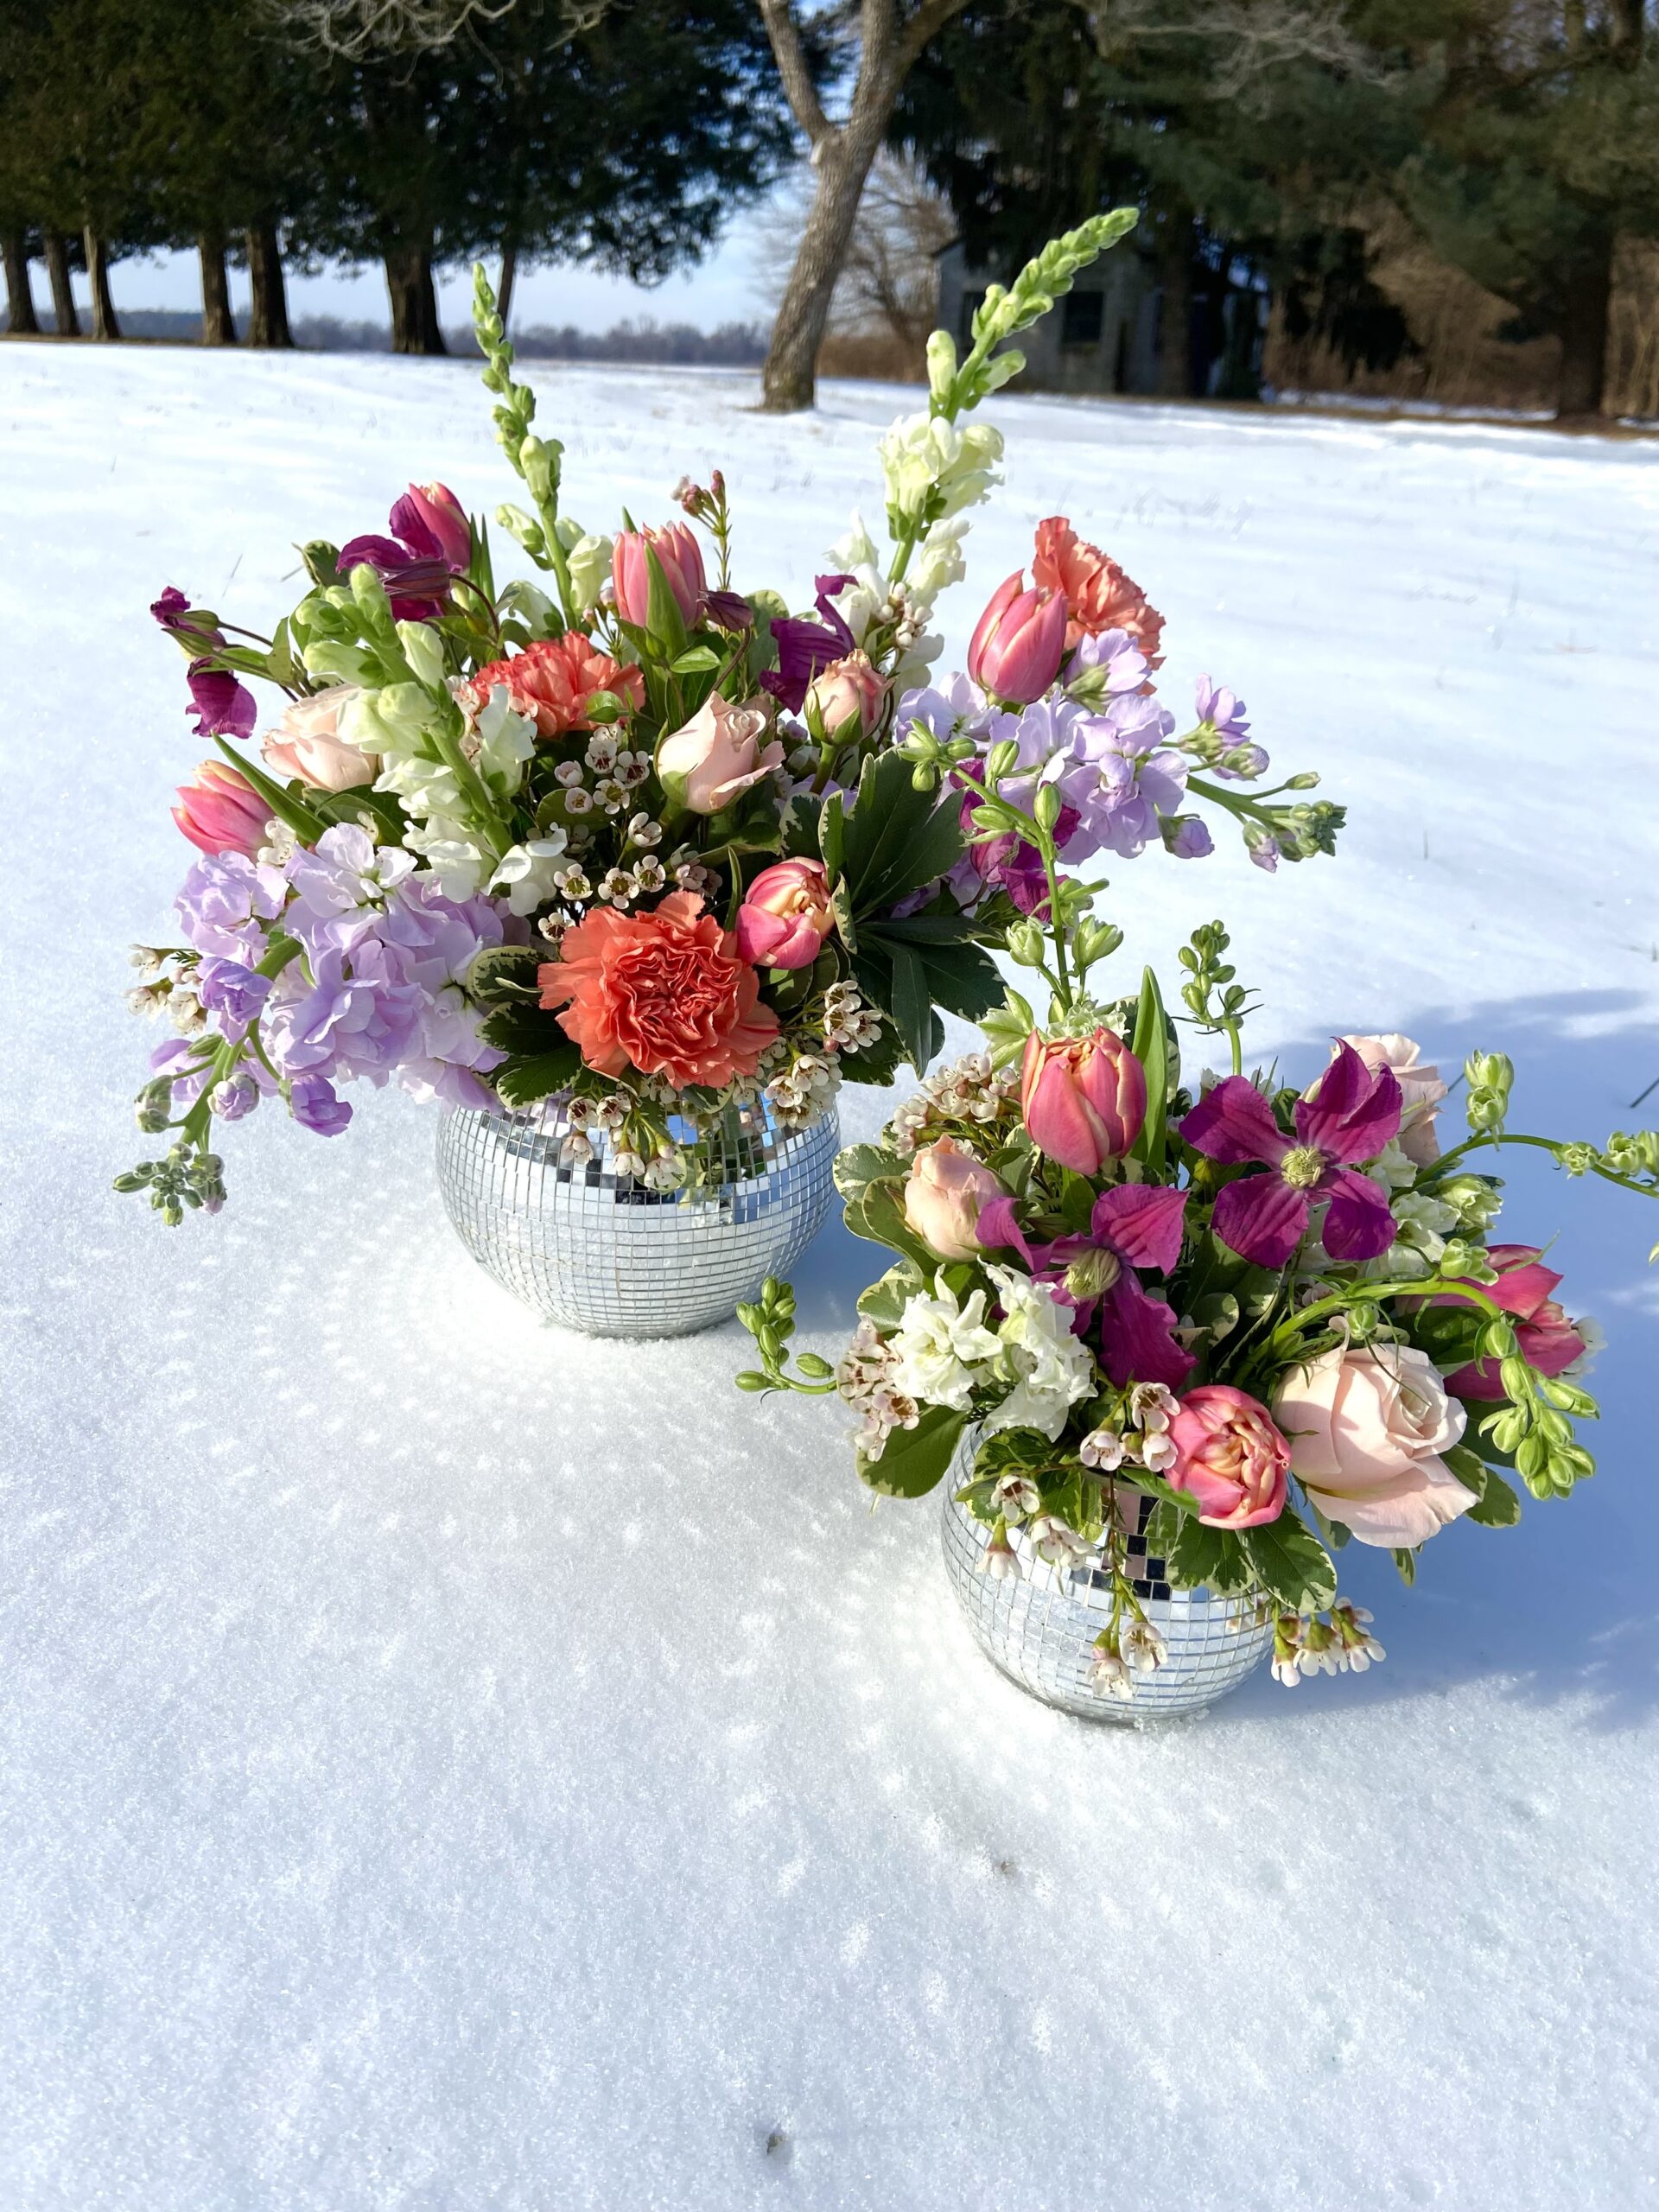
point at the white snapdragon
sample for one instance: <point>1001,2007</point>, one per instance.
<point>1051,1369</point>
<point>504,742</point>
<point>392,722</point>
<point>456,861</point>
<point>587,558</point>
<point>527,871</point>
<point>423,651</point>
<point>922,453</point>
<point>1391,1171</point>
<point>941,1348</point>
<point>939,563</point>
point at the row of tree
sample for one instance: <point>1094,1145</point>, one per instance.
<point>1518,138</point>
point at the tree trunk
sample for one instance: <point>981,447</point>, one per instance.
<point>1175,314</point>
<point>104,324</point>
<point>1585,296</point>
<point>503,289</point>
<point>20,300</point>
<point>415,326</point>
<point>67,321</point>
<point>218,327</point>
<point>788,383</point>
<point>268,308</point>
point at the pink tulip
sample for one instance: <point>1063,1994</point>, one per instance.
<point>785,915</point>
<point>435,509</point>
<point>1016,650</point>
<point>943,1197</point>
<point>848,694</point>
<point>221,812</point>
<point>676,547</point>
<point>1230,1456</point>
<point>1083,1099</point>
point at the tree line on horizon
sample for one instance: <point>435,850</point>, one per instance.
<point>1273,143</point>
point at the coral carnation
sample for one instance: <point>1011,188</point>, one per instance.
<point>1099,596</point>
<point>552,683</point>
<point>664,992</point>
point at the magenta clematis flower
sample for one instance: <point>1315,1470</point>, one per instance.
<point>1135,1225</point>
<point>416,561</point>
<point>1348,1117</point>
<point>218,704</point>
<point>805,646</point>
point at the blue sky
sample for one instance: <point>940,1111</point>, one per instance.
<point>728,287</point>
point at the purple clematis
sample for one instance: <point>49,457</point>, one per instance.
<point>1347,1118</point>
<point>412,563</point>
<point>220,706</point>
<point>1135,1225</point>
<point>805,646</point>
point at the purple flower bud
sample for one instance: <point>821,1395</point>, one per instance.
<point>233,1098</point>
<point>192,625</point>
<point>226,986</point>
<point>313,1105</point>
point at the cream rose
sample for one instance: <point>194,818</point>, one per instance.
<point>717,755</point>
<point>1420,1091</point>
<point>306,744</point>
<point>1366,1431</point>
<point>947,1188</point>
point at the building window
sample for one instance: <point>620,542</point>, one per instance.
<point>1082,318</point>
<point>971,304</point>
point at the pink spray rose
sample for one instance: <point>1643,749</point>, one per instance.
<point>1229,1455</point>
<point>1083,1099</point>
<point>785,915</point>
<point>1420,1091</point>
<point>848,691</point>
<point>717,755</point>
<point>676,547</point>
<point>1367,1425</point>
<point>947,1188</point>
<point>1019,640</point>
<point>1547,1339</point>
<point>221,812</point>
<point>307,745</point>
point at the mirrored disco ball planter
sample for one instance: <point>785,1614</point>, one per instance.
<point>1040,1629</point>
<point>606,1254</point>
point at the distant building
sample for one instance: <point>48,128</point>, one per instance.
<point>1104,334</point>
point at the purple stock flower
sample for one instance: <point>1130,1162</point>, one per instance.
<point>1186,836</point>
<point>1121,777</point>
<point>957,708</point>
<point>236,1096</point>
<point>1127,667</point>
<point>1224,712</point>
<point>1134,1225</point>
<point>805,646</point>
<point>1007,863</point>
<point>194,1069</point>
<point>221,706</point>
<point>227,988</point>
<point>313,1105</point>
<point>1347,1118</point>
<point>223,901</point>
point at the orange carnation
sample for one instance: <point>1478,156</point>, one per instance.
<point>1098,594</point>
<point>664,992</point>
<point>552,683</point>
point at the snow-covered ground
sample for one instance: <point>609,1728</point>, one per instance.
<point>451,1764</point>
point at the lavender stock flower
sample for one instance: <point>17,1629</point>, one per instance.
<point>229,989</point>
<point>313,1103</point>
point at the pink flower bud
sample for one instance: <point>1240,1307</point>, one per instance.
<point>848,692</point>
<point>436,510</point>
<point>785,915</point>
<point>1229,1455</point>
<point>942,1198</point>
<point>1083,1098</point>
<point>221,812</point>
<point>307,745</point>
<point>676,547</point>
<point>1019,642</point>
<point>717,755</point>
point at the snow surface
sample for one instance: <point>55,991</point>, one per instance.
<point>449,1764</point>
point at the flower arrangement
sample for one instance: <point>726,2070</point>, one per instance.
<point>636,842</point>
<point>1276,1321</point>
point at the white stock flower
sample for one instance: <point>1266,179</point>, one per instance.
<point>526,872</point>
<point>940,1347</point>
<point>1051,1369</point>
<point>1421,1225</point>
<point>450,855</point>
<point>939,563</point>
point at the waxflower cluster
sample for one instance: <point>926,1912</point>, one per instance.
<point>1247,1323</point>
<point>633,837</point>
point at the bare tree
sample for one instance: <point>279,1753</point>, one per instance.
<point>357,28</point>
<point>890,38</point>
<point>888,286</point>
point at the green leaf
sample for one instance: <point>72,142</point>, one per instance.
<point>1150,1045</point>
<point>885,1301</point>
<point>912,1007</point>
<point>523,1081</point>
<point>1291,1563</point>
<point>1405,1560</point>
<point>896,838</point>
<point>1200,1558</point>
<point>694,660</point>
<point>877,1215</point>
<point>1497,1506</point>
<point>858,1166</point>
<point>662,617</point>
<point>877,1063</point>
<point>525,1032</point>
<point>914,1459</point>
<point>832,835</point>
<point>503,973</point>
<point>956,972</point>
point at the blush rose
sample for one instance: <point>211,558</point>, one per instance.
<point>1367,1426</point>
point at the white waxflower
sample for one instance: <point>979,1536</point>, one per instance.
<point>1002,1561</point>
<point>569,774</point>
<point>1141,1646</point>
<point>1051,1540</point>
<point>1111,1676</point>
<point>601,755</point>
<point>1102,1449</point>
<point>529,873</point>
<point>577,1150</point>
<point>941,1348</point>
<point>649,875</point>
<point>1051,1369</point>
<point>1016,1497</point>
